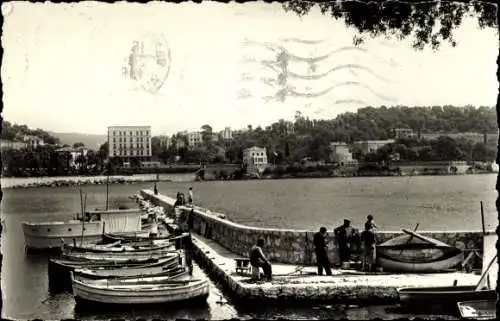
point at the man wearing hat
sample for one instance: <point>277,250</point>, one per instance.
<point>342,238</point>
<point>320,251</point>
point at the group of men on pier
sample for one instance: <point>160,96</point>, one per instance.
<point>345,236</point>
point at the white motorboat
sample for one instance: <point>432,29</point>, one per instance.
<point>88,230</point>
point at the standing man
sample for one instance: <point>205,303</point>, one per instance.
<point>320,249</point>
<point>156,189</point>
<point>370,223</point>
<point>190,196</point>
<point>368,241</point>
<point>342,238</point>
<point>258,259</point>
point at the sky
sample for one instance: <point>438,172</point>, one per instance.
<point>63,67</point>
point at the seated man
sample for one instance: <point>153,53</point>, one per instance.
<point>257,259</point>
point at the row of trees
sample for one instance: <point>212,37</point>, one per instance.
<point>289,142</point>
<point>14,132</point>
<point>46,161</point>
<point>441,149</point>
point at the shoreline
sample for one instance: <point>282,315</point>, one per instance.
<point>82,181</point>
<point>151,178</point>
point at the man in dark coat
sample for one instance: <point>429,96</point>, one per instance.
<point>342,237</point>
<point>258,259</point>
<point>320,249</point>
<point>368,240</point>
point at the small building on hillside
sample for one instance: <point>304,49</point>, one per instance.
<point>194,138</point>
<point>370,146</point>
<point>255,158</point>
<point>76,154</point>
<point>8,144</point>
<point>33,141</point>
<point>339,152</point>
<point>403,133</point>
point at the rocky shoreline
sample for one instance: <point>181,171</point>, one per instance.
<point>81,182</point>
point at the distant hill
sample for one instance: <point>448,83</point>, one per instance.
<point>91,141</point>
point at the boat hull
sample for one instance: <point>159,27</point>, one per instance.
<point>49,235</point>
<point>119,256</point>
<point>170,268</point>
<point>392,265</point>
<point>59,271</point>
<point>449,296</point>
<point>54,242</point>
<point>139,294</point>
<point>117,248</point>
<point>478,309</point>
<point>417,254</point>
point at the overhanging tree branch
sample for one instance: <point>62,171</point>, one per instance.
<point>429,23</point>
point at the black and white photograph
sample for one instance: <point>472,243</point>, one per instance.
<point>208,160</point>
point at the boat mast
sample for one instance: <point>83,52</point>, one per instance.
<point>107,176</point>
<point>107,187</point>
<point>83,205</point>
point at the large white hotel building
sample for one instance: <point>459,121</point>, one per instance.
<point>130,142</point>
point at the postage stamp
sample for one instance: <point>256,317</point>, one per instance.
<point>148,63</point>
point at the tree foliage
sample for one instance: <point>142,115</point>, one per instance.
<point>288,142</point>
<point>15,132</point>
<point>428,23</point>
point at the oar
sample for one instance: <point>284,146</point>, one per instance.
<point>409,240</point>
<point>425,239</point>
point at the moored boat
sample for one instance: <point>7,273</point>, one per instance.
<point>87,230</point>
<point>117,247</point>
<point>443,296</point>
<point>153,290</point>
<point>59,269</point>
<point>449,296</point>
<point>415,253</point>
<point>136,239</point>
<point>172,269</point>
<point>120,256</point>
<point>478,309</point>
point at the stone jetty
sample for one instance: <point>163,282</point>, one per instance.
<point>218,242</point>
<point>79,181</point>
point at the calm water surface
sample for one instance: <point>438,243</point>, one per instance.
<point>435,202</point>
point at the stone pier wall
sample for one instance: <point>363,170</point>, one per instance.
<point>290,246</point>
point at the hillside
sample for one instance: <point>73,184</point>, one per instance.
<point>92,141</point>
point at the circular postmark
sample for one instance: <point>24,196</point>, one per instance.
<point>148,64</point>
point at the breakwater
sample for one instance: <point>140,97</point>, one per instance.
<point>286,245</point>
<point>33,182</point>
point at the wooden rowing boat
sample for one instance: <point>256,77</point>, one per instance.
<point>415,253</point>
<point>171,270</point>
<point>442,296</point>
<point>117,247</point>
<point>478,309</point>
<point>450,295</point>
<point>126,239</point>
<point>59,269</point>
<point>153,290</point>
<point>122,256</point>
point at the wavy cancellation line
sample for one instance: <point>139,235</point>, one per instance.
<point>278,68</point>
<point>281,50</point>
<point>290,91</point>
<point>302,41</point>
